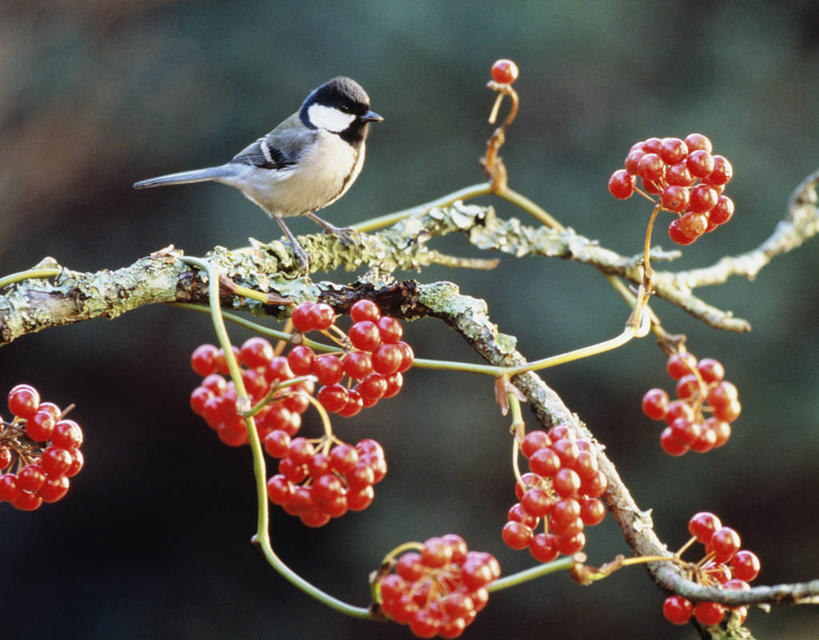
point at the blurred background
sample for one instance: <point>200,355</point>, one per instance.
<point>152,541</point>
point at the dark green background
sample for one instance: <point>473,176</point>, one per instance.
<point>152,540</point>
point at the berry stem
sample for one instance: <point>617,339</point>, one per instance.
<point>262,536</point>
<point>512,580</point>
<point>28,275</point>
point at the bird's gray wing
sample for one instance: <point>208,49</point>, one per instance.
<point>280,148</point>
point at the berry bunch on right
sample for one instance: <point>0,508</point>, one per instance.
<point>688,178</point>
<point>39,451</point>
<point>724,566</point>
<point>701,390</point>
<point>562,488</point>
<point>439,589</point>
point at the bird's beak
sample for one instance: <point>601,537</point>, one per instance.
<point>370,116</point>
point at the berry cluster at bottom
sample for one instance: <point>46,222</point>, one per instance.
<point>562,488</point>
<point>41,447</point>
<point>724,565</point>
<point>439,589</point>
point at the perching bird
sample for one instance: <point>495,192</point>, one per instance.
<point>306,163</point>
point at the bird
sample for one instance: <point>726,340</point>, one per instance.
<point>310,160</point>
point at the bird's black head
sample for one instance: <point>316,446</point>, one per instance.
<point>340,106</point>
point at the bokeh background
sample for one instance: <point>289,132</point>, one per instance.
<point>152,540</point>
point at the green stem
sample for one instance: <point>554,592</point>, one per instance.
<point>48,272</point>
<point>529,207</point>
<point>262,536</point>
<point>472,191</point>
<point>514,579</point>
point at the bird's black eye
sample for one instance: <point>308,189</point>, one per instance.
<point>345,108</point>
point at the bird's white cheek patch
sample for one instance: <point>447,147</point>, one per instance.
<point>329,118</point>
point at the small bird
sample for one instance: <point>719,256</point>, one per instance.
<point>306,163</point>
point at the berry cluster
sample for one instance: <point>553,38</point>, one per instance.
<point>688,178</point>
<point>562,488</point>
<point>39,451</point>
<point>701,389</point>
<point>439,589</point>
<point>319,480</point>
<point>373,360</point>
<point>262,373</point>
<point>725,566</point>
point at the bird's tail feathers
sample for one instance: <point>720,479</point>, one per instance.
<point>186,177</point>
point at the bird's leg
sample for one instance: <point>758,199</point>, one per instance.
<point>301,254</point>
<point>346,235</point>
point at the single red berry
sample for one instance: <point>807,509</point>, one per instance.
<point>67,434</point>
<point>676,234</point>
<point>407,356</point>
<point>721,429</point>
<point>5,458</point>
<point>722,211</point>
<point>357,364</point>
<point>76,464</point>
<point>300,360</point>
<point>567,545</point>
<point>679,175</point>
<point>670,445</point>
<point>27,501</point>
<point>728,412</point>
<point>332,397</point>
<point>277,443</point>
<point>328,369</point>
<point>31,477</point>
<point>652,145</point>
<point>693,225</point>
<point>544,462</point>
<point>655,403</point>
<point>390,329</point>
<point>675,198</point>
<point>651,168</point>
<point>321,316</point>
<point>504,71</point>
<point>685,432</point>
<point>592,511</point>
<point>709,613</point>
<point>203,359</point>
<point>677,610</point>
<point>595,485</point>
<point>703,198</point>
<point>688,386</point>
<point>54,489</point>
<point>536,502</point>
<point>374,385</point>
<point>725,542</point>
<point>710,370</point>
<point>353,406</point>
<point>680,364</point>
<point>678,409</point>
<point>221,363</point>
<point>745,565</point>
<point>543,547</point>
<point>630,164</point>
<point>394,384</point>
<point>23,400</point>
<point>301,318</point>
<point>696,141</point>
<point>673,150</point>
<point>387,359</point>
<point>700,163</point>
<point>199,396</point>
<point>9,489</point>
<point>722,394</point>
<point>516,535</point>
<point>365,335</point>
<point>533,441</point>
<point>365,310</point>
<point>279,489</point>
<point>55,461</point>
<point>702,525</point>
<point>566,482</point>
<point>40,426</point>
<point>256,352</point>
<point>722,173</point>
<point>567,450</point>
<point>622,184</point>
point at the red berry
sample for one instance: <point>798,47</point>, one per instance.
<point>536,502</point>
<point>27,501</point>
<point>700,163</point>
<point>710,370</point>
<point>592,511</point>
<point>504,71</point>
<point>390,329</point>
<point>5,457</point>
<point>374,385</point>
<point>745,565</point>
<point>725,542</point>
<point>321,316</point>
<point>567,545</point>
<point>566,482</point>
<point>702,525</point>
<point>650,168</point>
<point>676,234</point>
<point>279,489</point>
<point>277,443</point>
<point>301,317</point>
<point>9,489</point>
<point>722,211</point>
<point>353,406</point>
<point>256,352</point>
<point>709,613</point>
<point>693,225</point>
<point>684,432</point>
<point>698,141</point>
<point>703,198</point>
<point>40,426</point>
<point>387,359</point>
<point>365,335</point>
<point>23,400</point>
<point>728,412</point>
<point>30,477</point>
<point>675,198</point>
<point>722,394</point>
<point>76,464</point>
<point>328,369</point>
<point>517,513</point>
<point>543,547</point>
<point>673,150</point>
<point>678,409</point>
<point>516,535</point>
<point>365,310</point>
<point>407,356</point>
<point>677,610</point>
<point>655,403</point>
<point>622,184</point>
<point>679,175</point>
<point>55,461</point>
<point>670,445</point>
<point>332,397</point>
<point>54,489</point>
<point>67,434</point>
<point>394,384</point>
<point>630,164</point>
<point>203,359</point>
<point>300,360</point>
<point>680,364</point>
<point>544,462</point>
<point>357,364</point>
<point>722,173</point>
